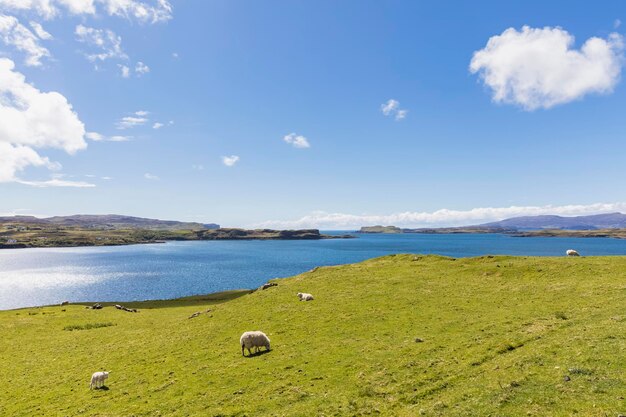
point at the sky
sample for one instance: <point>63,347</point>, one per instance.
<point>324,114</point>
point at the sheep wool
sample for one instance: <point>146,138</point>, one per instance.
<point>303,296</point>
<point>256,340</point>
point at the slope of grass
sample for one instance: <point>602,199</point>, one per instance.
<point>500,336</point>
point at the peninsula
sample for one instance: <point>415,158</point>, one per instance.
<point>114,230</point>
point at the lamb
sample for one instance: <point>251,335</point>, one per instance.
<point>97,379</point>
<point>254,340</point>
<point>571,252</point>
<point>303,296</point>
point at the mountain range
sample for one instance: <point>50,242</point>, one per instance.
<point>597,221</point>
<point>113,221</point>
<point>520,224</point>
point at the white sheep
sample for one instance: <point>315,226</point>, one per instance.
<point>254,340</point>
<point>571,252</point>
<point>303,296</point>
<point>97,379</point>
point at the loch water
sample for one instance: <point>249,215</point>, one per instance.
<point>32,277</point>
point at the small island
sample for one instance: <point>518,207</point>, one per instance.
<point>73,231</point>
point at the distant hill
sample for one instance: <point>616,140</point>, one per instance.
<point>113,221</point>
<point>597,221</point>
<point>514,224</point>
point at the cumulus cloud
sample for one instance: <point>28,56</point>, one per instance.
<point>31,119</point>
<point>439,218</point>
<point>154,11</point>
<point>539,68</point>
<point>149,176</point>
<point>229,161</point>
<point>297,141</point>
<point>18,36</point>
<point>392,108</point>
<point>105,41</point>
<point>157,125</point>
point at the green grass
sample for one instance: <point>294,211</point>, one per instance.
<point>87,326</point>
<point>502,336</point>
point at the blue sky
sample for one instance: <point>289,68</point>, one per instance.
<point>235,79</point>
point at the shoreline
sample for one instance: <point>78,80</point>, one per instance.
<point>227,295</point>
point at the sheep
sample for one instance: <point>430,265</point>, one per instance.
<point>254,340</point>
<point>571,252</point>
<point>303,296</point>
<point>97,379</point>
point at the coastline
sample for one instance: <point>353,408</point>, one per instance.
<point>72,237</point>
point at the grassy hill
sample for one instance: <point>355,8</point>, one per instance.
<point>501,336</point>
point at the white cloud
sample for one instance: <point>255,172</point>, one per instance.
<point>31,119</point>
<point>389,107</point>
<point>229,161</point>
<point>14,34</point>
<point>149,176</point>
<point>297,141</point>
<point>57,182</point>
<point>40,31</point>
<point>617,23</point>
<point>124,70</point>
<point>97,137</point>
<point>106,41</point>
<point>538,68</point>
<point>439,218</point>
<point>119,138</point>
<point>392,108</point>
<point>141,68</point>
<point>142,113</point>
<point>128,122</point>
<point>154,11</point>
<point>157,125</point>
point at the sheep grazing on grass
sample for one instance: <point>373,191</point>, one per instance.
<point>303,296</point>
<point>571,252</point>
<point>97,379</point>
<point>254,340</point>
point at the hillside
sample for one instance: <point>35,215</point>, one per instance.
<point>598,221</point>
<point>47,235</point>
<point>110,221</point>
<point>501,336</point>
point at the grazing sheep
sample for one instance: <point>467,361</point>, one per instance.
<point>571,252</point>
<point>254,340</point>
<point>64,303</point>
<point>97,379</point>
<point>303,296</point>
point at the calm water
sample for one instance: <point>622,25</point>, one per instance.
<point>30,277</point>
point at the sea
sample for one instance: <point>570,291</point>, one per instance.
<point>35,277</point>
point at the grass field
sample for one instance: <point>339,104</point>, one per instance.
<point>501,336</point>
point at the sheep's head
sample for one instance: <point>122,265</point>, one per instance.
<point>299,295</point>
